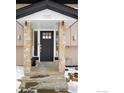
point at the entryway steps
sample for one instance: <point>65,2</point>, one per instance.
<point>48,64</point>
<point>44,68</point>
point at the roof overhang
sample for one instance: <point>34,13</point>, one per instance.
<point>57,1</point>
<point>60,8</point>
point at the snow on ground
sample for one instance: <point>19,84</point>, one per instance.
<point>73,85</point>
<point>19,75</point>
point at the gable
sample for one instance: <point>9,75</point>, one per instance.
<point>34,8</point>
<point>46,14</point>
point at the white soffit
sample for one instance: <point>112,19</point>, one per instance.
<point>46,14</point>
<point>44,24</point>
<point>48,24</point>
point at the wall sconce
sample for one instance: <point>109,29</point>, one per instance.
<point>74,38</point>
<point>26,23</point>
<point>19,37</point>
<point>63,23</point>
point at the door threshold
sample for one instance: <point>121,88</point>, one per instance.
<point>46,61</point>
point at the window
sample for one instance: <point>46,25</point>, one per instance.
<point>35,43</point>
<point>46,35</point>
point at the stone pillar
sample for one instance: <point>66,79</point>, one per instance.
<point>62,43</point>
<point>27,48</point>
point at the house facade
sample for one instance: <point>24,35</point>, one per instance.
<point>46,42</point>
<point>51,24</point>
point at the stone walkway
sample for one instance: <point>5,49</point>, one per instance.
<point>54,82</point>
<point>45,81</point>
<point>45,78</point>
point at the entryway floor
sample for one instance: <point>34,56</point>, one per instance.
<point>44,68</point>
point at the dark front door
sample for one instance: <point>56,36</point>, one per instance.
<point>46,45</point>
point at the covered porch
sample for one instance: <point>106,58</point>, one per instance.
<point>46,72</point>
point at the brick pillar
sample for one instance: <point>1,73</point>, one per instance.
<point>62,43</point>
<point>27,48</point>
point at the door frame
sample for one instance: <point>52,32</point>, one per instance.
<point>54,47</point>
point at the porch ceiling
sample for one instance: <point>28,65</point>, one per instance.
<point>47,24</point>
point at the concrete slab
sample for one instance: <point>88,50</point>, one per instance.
<point>55,82</point>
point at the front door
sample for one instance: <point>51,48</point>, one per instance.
<point>46,45</point>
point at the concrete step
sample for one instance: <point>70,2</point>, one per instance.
<point>48,64</point>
